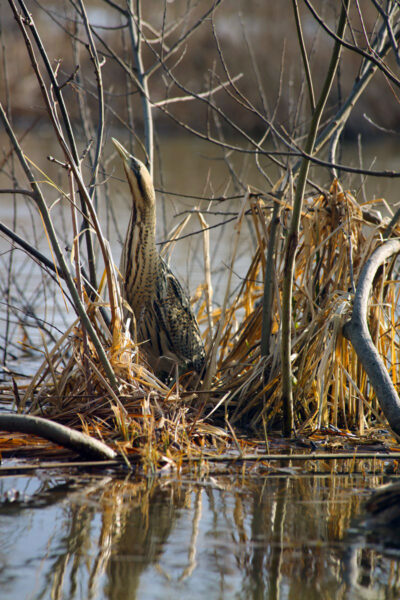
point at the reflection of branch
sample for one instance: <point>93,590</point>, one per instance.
<point>59,434</point>
<point>188,570</point>
<point>275,570</point>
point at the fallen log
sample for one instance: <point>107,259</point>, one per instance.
<point>79,442</point>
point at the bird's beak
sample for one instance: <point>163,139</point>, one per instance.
<point>130,162</point>
<point>124,154</point>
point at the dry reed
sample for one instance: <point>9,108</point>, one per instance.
<point>330,386</point>
<point>166,423</point>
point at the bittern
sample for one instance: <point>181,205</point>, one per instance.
<point>166,325</point>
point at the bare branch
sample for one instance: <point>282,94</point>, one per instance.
<point>57,433</point>
<point>356,330</point>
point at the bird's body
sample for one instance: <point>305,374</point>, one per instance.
<point>166,325</point>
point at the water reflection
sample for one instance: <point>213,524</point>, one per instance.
<point>273,537</point>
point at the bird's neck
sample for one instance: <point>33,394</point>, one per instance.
<point>140,258</point>
<point>144,218</point>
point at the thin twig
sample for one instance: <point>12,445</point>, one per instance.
<point>292,236</point>
<point>142,77</point>
<point>58,251</point>
<point>304,54</point>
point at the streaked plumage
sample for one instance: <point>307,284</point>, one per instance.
<point>166,324</point>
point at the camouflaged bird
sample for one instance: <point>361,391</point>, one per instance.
<point>166,325</point>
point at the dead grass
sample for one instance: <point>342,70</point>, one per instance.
<point>330,386</point>
<point>160,422</point>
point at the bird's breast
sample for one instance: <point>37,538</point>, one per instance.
<point>139,265</point>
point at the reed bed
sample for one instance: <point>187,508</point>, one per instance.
<point>330,386</point>
<point>147,418</point>
<point>95,377</point>
<point>240,391</point>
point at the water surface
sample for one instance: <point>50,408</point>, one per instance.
<point>282,535</point>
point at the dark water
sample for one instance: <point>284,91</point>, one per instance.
<point>284,535</point>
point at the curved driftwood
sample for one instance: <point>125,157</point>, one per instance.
<point>356,330</point>
<point>59,434</point>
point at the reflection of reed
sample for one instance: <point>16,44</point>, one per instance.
<point>188,570</point>
<point>141,525</point>
<point>271,524</point>
<point>293,524</point>
<point>75,544</point>
<point>77,547</point>
<point>277,537</point>
<point>136,519</point>
<point>278,542</point>
<point>377,532</point>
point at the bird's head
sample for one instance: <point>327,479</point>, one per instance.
<point>138,177</point>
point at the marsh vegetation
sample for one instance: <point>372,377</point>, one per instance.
<point>300,224</point>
